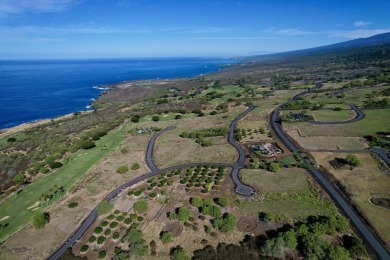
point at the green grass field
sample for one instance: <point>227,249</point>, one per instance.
<point>16,207</point>
<point>331,115</point>
<point>166,117</point>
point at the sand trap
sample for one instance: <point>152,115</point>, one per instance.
<point>34,205</point>
<point>4,218</point>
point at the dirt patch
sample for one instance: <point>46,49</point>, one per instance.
<point>175,228</point>
<point>247,225</point>
<point>381,202</point>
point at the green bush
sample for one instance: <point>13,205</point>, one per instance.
<point>98,230</point>
<point>140,219</point>
<point>102,254</point>
<point>92,239</point>
<point>84,248</point>
<point>40,220</point>
<point>115,235</point>
<point>178,117</point>
<point>107,232</point>
<point>122,169</point>
<point>120,218</point>
<point>141,206</point>
<point>156,118</point>
<point>101,240</point>
<point>130,193</point>
<point>111,217</point>
<point>153,195</point>
<point>104,207</point>
<point>166,237</point>
<point>113,224</point>
<point>72,204</point>
<point>87,144</point>
<point>135,166</point>
<point>127,221</point>
<point>104,223</point>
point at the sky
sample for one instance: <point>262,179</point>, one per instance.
<point>45,29</point>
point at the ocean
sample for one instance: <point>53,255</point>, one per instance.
<point>39,89</point>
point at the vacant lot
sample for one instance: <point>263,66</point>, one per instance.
<point>171,149</point>
<point>362,183</point>
<point>375,120</point>
<point>327,142</point>
<point>289,192</point>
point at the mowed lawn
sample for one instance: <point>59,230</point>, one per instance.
<point>16,208</point>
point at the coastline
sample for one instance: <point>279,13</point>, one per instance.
<point>4,132</point>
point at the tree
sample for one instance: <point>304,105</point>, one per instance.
<point>212,210</point>
<point>196,202</point>
<point>104,207</point>
<point>184,214</point>
<point>72,204</point>
<point>156,118</point>
<point>178,117</point>
<point>122,169</point>
<point>273,167</point>
<point>166,237</point>
<point>87,144</point>
<point>178,253</point>
<point>227,223</point>
<point>20,178</point>
<point>141,206</point>
<point>223,202</point>
<point>40,220</point>
<point>352,160</point>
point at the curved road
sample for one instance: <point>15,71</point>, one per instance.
<point>369,237</point>
<point>240,188</point>
<point>359,116</point>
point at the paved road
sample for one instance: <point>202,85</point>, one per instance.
<point>359,116</point>
<point>370,238</point>
<point>149,150</point>
<point>240,187</point>
<point>236,167</point>
<point>382,153</point>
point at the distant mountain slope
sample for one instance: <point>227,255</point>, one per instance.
<point>376,40</point>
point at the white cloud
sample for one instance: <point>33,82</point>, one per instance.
<point>362,24</point>
<point>288,31</point>
<point>354,34</point>
<point>34,6</point>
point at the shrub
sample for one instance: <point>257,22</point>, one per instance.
<point>84,248</point>
<point>104,223</point>
<point>156,118</point>
<point>120,218</point>
<point>135,166</point>
<point>11,140</point>
<point>104,207</point>
<point>127,221</point>
<point>115,235</point>
<point>141,206</point>
<point>140,219</point>
<point>107,232</point>
<point>124,150</point>
<point>213,113</point>
<point>102,254</point>
<point>92,239</point>
<point>110,217</point>
<point>166,237</point>
<point>130,193</point>
<point>196,202</point>
<point>40,220</point>
<point>138,192</point>
<point>133,216</point>
<point>113,224</point>
<point>178,117</point>
<point>122,169</point>
<point>98,230</point>
<point>55,165</point>
<point>223,202</point>
<point>72,204</point>
<point>101,240</point>
<point>87,144</point>
<point>153,195</point>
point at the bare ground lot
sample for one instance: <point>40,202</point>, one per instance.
<point>327,142</point>
<point>362,183</point>
<point>97,183</point>
<point>171,149</point>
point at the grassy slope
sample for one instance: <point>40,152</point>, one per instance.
<point>331,115</point>
<point>67,176</point>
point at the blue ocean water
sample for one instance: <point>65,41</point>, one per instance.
<point>40,89</point>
